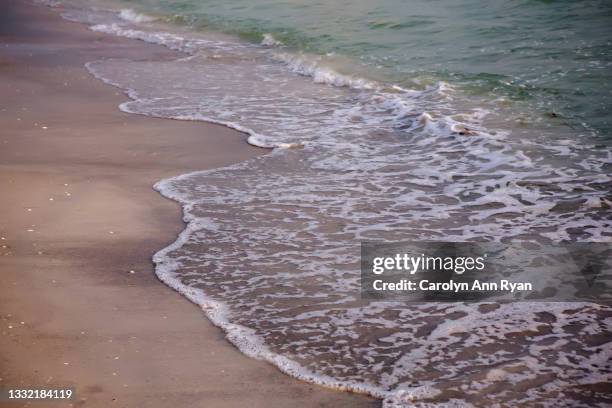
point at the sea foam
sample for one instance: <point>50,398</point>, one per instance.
<point>377,162</point>
<point>134,17</point>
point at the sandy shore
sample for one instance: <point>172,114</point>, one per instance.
<point>79,303</point>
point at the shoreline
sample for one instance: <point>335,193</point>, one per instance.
<point>81,305</point>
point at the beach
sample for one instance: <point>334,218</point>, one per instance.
<point>80,306</point>
<point>192,192</point>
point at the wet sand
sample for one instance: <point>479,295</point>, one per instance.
<point>80,305</point>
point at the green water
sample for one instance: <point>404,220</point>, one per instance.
<point>553,56</point>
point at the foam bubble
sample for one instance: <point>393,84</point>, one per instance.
<point>269,40</point>
<point>134,17</point>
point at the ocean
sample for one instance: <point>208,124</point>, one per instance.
<point>387,121</point>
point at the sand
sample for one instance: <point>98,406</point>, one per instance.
<point>80,305</point>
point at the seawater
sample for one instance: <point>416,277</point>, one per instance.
<point>389,121</point>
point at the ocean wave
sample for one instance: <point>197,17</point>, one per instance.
<point>320,74</point>
<point>171,41</point>
<point>134,17</point>
<point>242,337</point>
<point>269,40</point>
<point>378,162</point>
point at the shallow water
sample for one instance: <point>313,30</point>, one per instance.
<point>378,144</point>
<point>552,55</point>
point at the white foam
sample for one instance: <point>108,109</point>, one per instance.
<point>49,3</point>
<point>242,337</point>
<point>134,17</point>
<point>269,41</point>
<point>309,67</point>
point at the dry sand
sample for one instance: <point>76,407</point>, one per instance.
<point>77,214</point>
